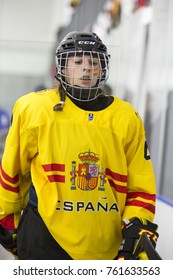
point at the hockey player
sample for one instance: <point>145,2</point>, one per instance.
<point>76,165</point>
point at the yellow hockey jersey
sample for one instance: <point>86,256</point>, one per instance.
<point>90,170</point>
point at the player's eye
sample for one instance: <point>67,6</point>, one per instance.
<point>78,61</point>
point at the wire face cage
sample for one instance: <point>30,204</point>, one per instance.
<point>82,74</point>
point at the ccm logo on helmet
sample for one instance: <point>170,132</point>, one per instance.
<point>86,43</point>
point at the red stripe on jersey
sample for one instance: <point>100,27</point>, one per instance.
<point>8,187</point>
<point>116,176</point>
<point>12,180</point>
<point>142,204</point>
<point>53,167</point>
<point>142,195</point>
<point>118,188</point>
<point>56,178</point>
<point>8,222</point>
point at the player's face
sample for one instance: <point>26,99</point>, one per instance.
<point>82,71</point>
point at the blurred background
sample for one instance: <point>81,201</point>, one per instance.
<point>139,37</point>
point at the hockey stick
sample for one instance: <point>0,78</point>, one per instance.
<point>144,245</point>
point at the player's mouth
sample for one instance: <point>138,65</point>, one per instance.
<point>85,80</point>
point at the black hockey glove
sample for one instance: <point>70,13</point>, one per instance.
<point>131,233</point>
<point>8,239</point>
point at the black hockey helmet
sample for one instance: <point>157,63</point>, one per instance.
<point>81,41</point>
<point>80,44</point>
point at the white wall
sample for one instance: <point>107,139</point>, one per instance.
<point>4,255</point>
<point>163,218</point>
<point>27,34</point>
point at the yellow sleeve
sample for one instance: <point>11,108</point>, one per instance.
<point>14,173</point>
<point>141,192</point>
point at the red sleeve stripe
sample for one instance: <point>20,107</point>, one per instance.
<point>142,195</point>
<point>54,167</point>
<point>142,204</point>
<point>118,188</point>
<point>56,178</point>
<point>8,187</point>
<point>8,222</point>
<point>116,176</point>
<point>12,180</point>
